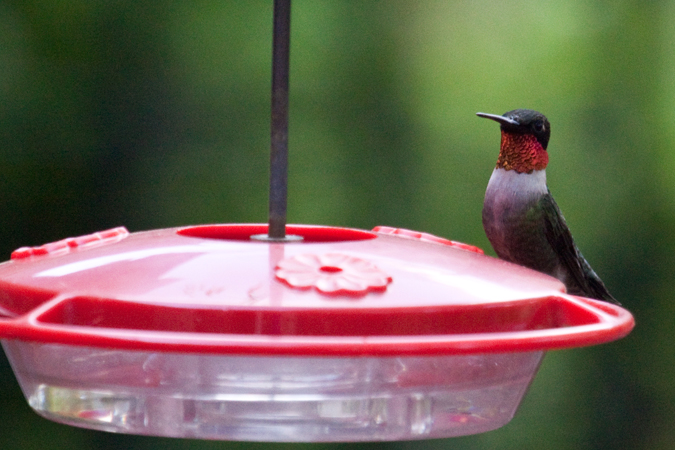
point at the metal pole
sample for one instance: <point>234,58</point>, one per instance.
<point>279,134</point>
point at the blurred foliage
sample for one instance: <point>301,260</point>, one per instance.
<point>156,114</point>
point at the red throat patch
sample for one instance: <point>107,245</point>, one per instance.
<point>522,153</point>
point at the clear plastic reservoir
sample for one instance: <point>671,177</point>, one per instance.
<point>272,399</point>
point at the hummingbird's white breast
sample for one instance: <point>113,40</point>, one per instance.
<point>509,185</point>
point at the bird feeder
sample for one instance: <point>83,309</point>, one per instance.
<point>347,335</point>
<point>303,334</point>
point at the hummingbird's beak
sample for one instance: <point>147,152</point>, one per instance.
<point>501,119</point>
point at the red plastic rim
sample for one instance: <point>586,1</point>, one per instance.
<point>74,322</point>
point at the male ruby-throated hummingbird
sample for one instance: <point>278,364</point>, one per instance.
<point>520,217</point>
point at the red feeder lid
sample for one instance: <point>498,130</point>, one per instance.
<point>339,292</point>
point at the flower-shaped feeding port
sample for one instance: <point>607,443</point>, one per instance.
<point>332,273</point>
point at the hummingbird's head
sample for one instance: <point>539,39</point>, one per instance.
<point>525,135</point>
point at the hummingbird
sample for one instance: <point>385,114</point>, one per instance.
<point>520,217</point>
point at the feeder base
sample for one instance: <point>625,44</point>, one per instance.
<point>281,399</point>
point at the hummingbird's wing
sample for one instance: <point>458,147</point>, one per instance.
<point>582,279</point>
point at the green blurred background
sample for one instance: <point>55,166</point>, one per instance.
<point>156,114</point>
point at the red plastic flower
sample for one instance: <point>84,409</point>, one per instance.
<point>332,273</point>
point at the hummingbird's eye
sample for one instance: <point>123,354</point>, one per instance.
<point>538,126</point>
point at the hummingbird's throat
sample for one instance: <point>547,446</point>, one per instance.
<point>522,153</point>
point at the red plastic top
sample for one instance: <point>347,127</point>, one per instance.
<point>340,292</point>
